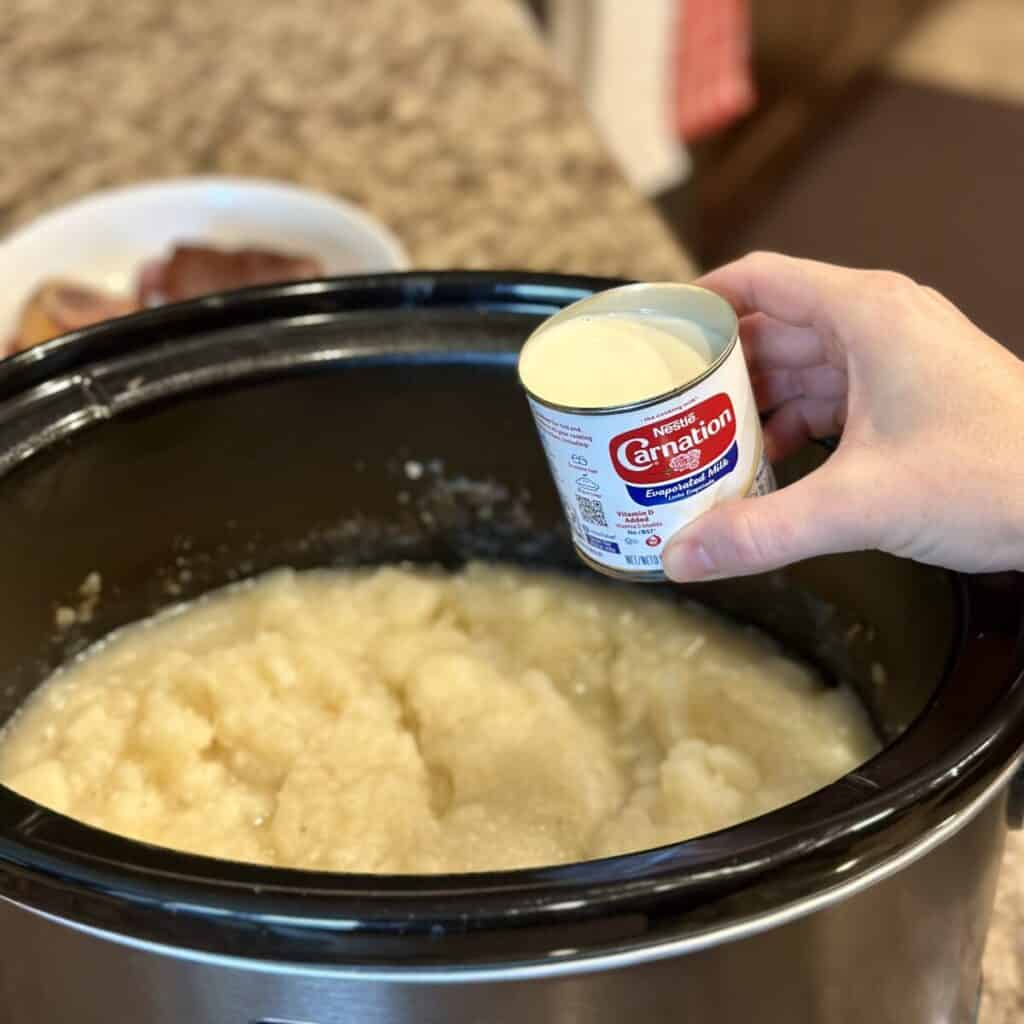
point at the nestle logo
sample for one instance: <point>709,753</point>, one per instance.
<point>677,445</point>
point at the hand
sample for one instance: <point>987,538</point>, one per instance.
<point>930,465</point>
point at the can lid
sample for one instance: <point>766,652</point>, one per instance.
<point>658,303</point>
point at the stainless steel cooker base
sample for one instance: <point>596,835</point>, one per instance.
<point>906,950</point>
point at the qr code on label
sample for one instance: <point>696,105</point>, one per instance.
<point>592,511</point>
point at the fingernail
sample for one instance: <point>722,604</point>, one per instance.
<point>689,560</point>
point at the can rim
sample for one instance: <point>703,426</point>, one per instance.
<point>578,308</point>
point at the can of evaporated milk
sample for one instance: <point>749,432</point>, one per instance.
<point>643,403</point>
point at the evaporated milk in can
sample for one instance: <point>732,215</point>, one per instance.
<point>644,406</point>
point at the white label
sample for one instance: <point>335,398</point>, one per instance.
<point>629,480</point>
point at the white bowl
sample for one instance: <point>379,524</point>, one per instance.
<point>103,239</point>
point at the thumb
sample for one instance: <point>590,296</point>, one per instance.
<point>750,535</point>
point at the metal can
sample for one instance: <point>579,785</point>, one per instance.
<point>630,476</point>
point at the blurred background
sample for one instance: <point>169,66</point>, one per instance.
<point>870,132</point>
<point>574,135</point>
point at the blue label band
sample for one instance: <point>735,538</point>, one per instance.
<point>663,494</point>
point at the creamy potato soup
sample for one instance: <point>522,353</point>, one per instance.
<point>402,720</point>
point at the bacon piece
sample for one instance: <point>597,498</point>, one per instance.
<point>151,282</point>
<point>191,270</point>
<point>195,270</point>
<point>58,307</point>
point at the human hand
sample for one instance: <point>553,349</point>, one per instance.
<point>930,465</point>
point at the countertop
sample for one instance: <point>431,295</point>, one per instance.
<point>445,118</point>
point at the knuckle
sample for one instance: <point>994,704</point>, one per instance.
<point>753,543</point>
<point>902,282</point>
<point>891,283</point>
<point>935,296</point>
<point>891,297</point>
<point>852,473</point>
<point>763,259</point>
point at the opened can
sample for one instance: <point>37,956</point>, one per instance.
<point>631,473</point>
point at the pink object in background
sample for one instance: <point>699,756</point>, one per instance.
<point>713,80</point>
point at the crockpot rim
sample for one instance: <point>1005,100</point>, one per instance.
<point>962,769</point>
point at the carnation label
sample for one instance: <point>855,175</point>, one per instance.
<point>677,456</point>
<point>630,478</point>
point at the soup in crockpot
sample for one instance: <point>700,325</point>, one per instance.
<point>409,721</point>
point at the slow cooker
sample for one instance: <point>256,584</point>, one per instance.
<point>186,447</point>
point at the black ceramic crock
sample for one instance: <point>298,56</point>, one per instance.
<point>183,448</point>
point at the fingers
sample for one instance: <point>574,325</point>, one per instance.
<point>774,387</point>
<point>797,292</point>
<point>750,535</point>
<point>795,423</point>
<point>772,344</point>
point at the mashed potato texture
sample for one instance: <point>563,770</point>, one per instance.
<point>406,721</point>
